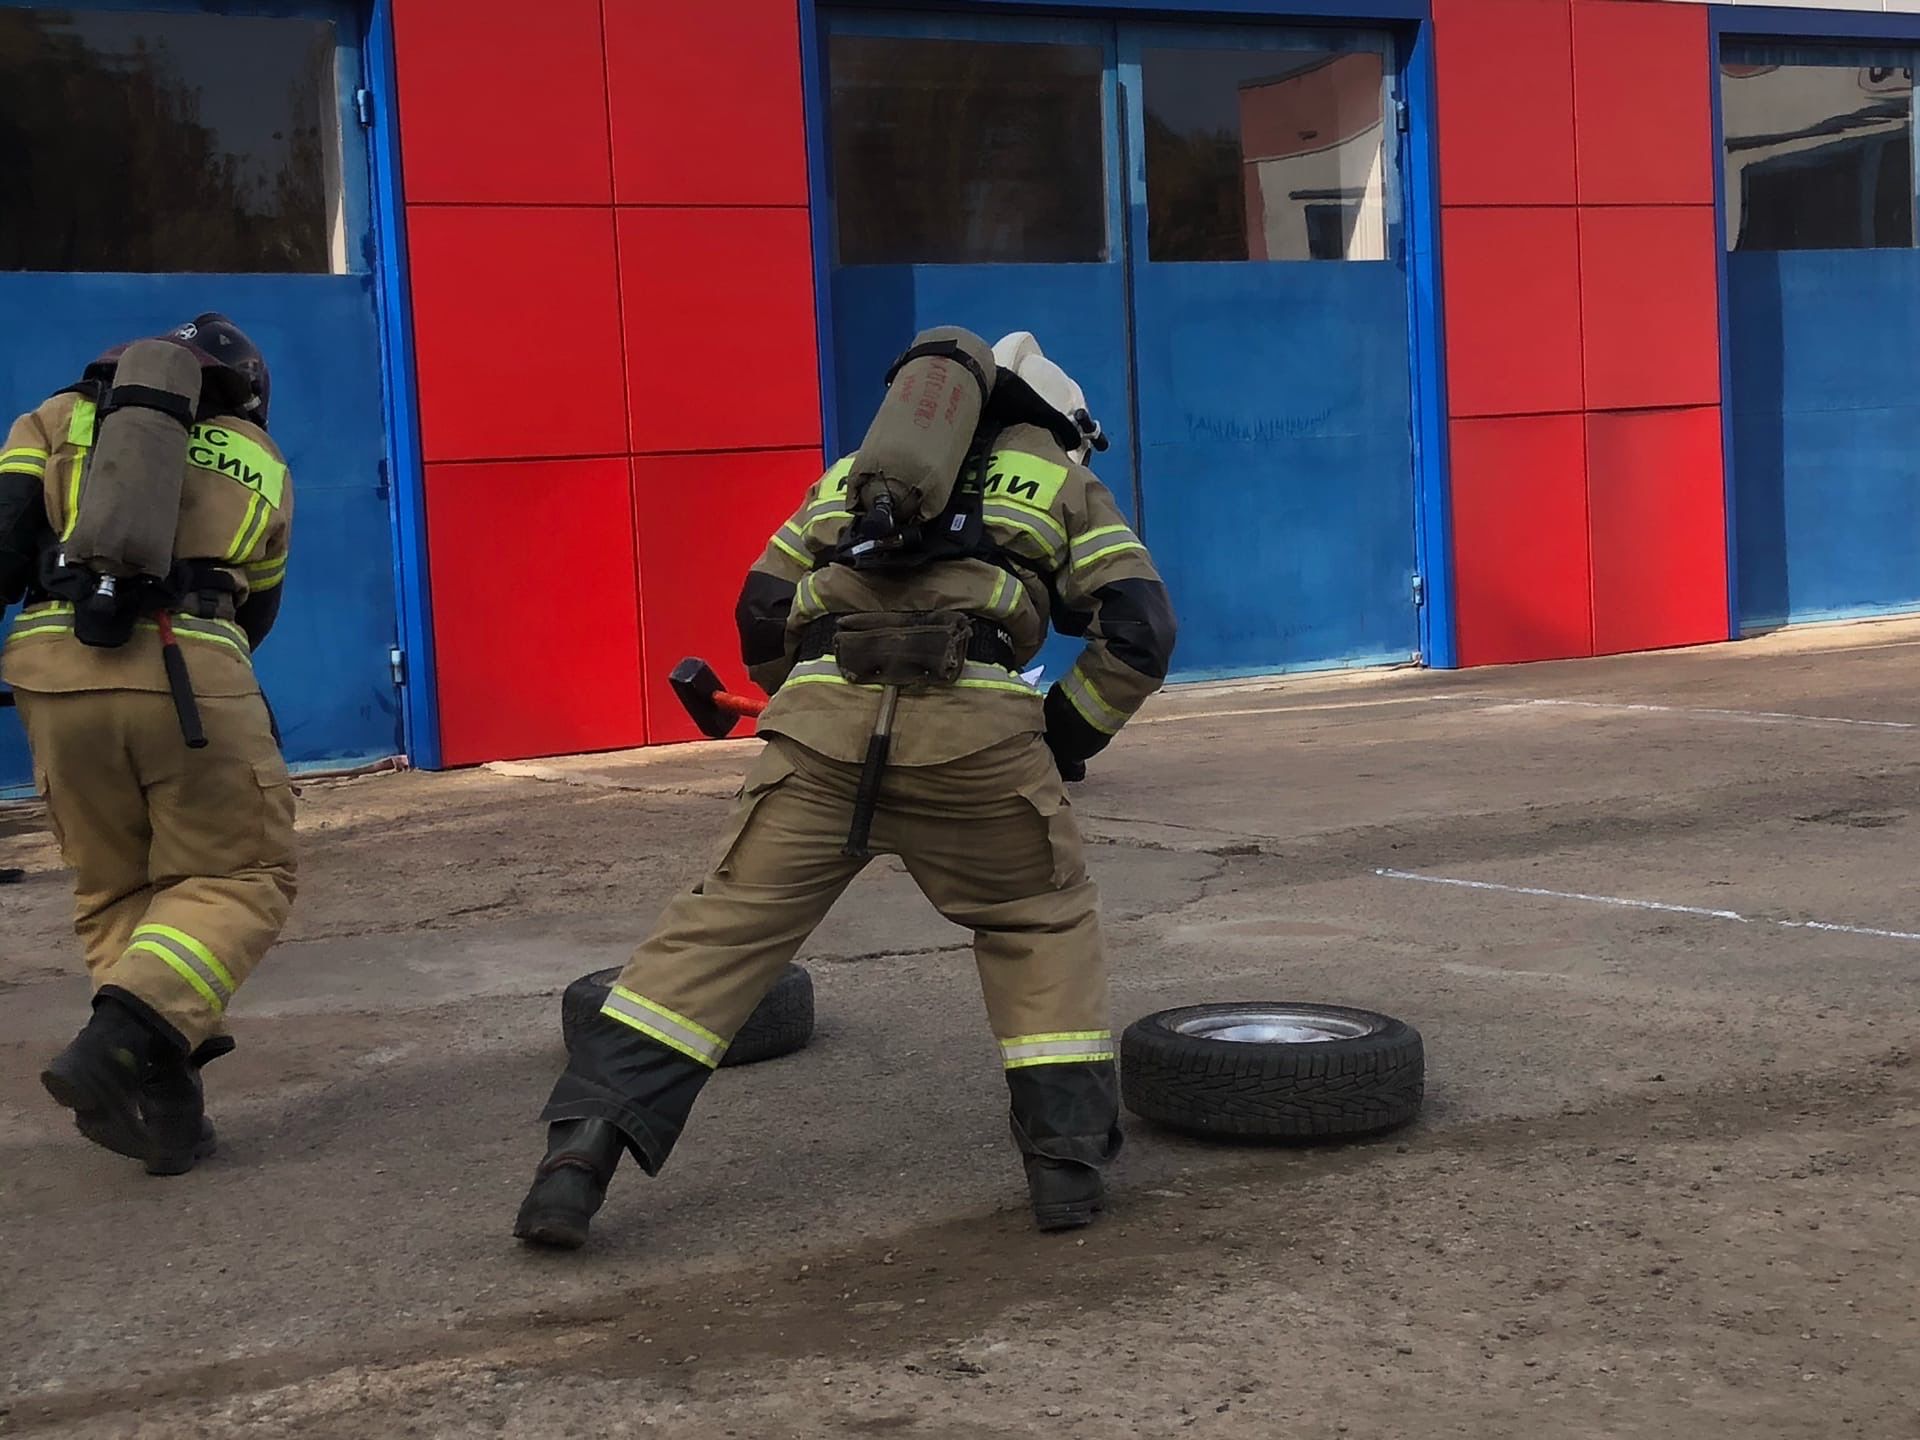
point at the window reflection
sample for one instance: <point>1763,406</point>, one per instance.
<point>1819,149</point>
<point>963,152</point>
<point>1266,155</point>
<point>150,142</point>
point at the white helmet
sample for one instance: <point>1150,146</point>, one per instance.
<point>1021,354</point>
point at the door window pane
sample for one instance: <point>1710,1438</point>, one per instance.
<point>1819,149</point>
<point>155,143</point>
<point>960,152</point>
<point>1266,154</point>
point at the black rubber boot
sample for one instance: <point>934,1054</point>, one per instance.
<point>1065,1195</point>
<point>1066,1121</point>
<point>179,1134</point>
<point>172,1102</point>
<point>570,1184</point>
<point>101,1073</point>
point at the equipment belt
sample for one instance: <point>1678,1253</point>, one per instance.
<point>989,644</point>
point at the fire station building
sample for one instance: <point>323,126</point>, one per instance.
<point>1452,331</point>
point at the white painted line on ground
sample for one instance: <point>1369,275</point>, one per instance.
<point>1615,900</point>
<point>1301,709</point>
<point>1625,903</point>
<point>1847,929</point>
<point>1490,701</point>
<point>1764,716</point>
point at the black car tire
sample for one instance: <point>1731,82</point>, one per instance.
<point>1273,1071</point>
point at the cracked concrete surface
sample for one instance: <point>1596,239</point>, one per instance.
<point>1666,1182</point>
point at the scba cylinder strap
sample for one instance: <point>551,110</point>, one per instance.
<point>944,350</point>
<point>147,397</point>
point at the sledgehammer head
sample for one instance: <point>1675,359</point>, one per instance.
<point>714,710</point>
<point>695,683</point>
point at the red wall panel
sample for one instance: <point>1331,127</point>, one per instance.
<point>1580,276</point>
<point>517,333</point>
<point>722,352</point>
<point>706,103</point>
<point>523,670</point>
<point>498,108</point>
<point>1513,311</point>
<point>1520,539</point>
<point>1650,320</point>
<point>702,520</point>
<point>1659,524</point>
<point>1505,72</point>
<point>1642,103</point>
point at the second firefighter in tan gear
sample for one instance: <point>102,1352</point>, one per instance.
<point>183,856</point>
<point>972,801</point>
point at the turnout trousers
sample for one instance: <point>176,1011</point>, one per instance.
<point>183,859</point>
<point>991,841</point>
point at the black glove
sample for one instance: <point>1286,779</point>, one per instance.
<point>1072,771</point>
<point>23,533</point>
<point>1070,737</point>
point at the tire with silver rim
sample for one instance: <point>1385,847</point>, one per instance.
<point>1273,1070</point>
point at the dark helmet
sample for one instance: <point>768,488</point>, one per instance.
<point>225,345</point>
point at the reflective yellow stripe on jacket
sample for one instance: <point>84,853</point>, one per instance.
<point>1094,707</point>
<point>80,437</point>
<point>975,675</point>
<point>56,618</point>
<point>265,574</point>
<point>23,461</point>
<point>1093,546</point>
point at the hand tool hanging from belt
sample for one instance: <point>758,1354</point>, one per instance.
<point>911,650</point>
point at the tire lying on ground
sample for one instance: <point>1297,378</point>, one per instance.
<point>781,1024</point>
<point>1273,1071</point>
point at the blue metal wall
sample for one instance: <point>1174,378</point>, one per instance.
<point>349,433</point>
<point>1822,394</point>
<point>1264,411</point>
<point>1826,432</point>
<point>326,666</point>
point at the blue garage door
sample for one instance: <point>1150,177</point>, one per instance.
<point>221,165</point>
<point>1823,307</point>
<point>1203,226</point>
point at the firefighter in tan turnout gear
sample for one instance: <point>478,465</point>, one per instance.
<point>144,516</point>
<point>889,619</point>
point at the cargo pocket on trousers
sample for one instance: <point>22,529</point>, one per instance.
<point>1049,800</point>
<point>274,841</point>
<point>772,770</point>
<point>43,787</point>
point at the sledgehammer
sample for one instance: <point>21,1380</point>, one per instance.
<point>713,708</point>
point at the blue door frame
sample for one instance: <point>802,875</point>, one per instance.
<point>420,694</point>
<point>1410,23</point>
<point>1767,23</point>
<point>365,28</point>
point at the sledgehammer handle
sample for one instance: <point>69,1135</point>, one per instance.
<point>867,798</point>
<point>180,684</point>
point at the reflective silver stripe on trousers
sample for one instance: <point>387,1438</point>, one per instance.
<point>182,958</point>
<point>669,1029</point>
<point>1043,1052</point>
